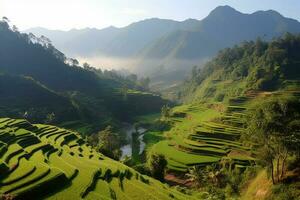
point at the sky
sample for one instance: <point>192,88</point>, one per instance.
<point>68,14</point>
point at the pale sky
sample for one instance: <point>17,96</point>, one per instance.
<point>68,14</point>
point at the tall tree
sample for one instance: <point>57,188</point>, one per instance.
<point>274,127</point>
<point>157,164</point>
<point>109,143</point>
<point>165,112</point>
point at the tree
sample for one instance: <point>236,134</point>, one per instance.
<point>50,118</point>
<point>87,66</point>
<point>165,112</point>
<point>73,62</point>
<point>93,140</point>
<point>197,175</point>
<point>157,164</point>
<point>109,143</point>
<point>214,175</point>
<point>274,127</point>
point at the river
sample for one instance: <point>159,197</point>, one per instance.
<point>130,130</point>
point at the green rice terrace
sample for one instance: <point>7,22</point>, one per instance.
<point>207,133</point>
<point>203,134</point>
<point>48,162</point>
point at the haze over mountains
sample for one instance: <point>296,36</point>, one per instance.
<point>162,48</point>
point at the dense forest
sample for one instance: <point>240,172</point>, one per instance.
<point>76,93</point>
<point>253,65</point>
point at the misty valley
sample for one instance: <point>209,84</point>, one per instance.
<point>158,109</point>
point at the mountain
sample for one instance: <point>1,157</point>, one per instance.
<point>111,41</point>
<point>158,46</point>
<point>222,28</point>
<point>66,91</point>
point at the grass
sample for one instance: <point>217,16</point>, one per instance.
<point>185,158</point>
<point>202,134</point>
<point>259,188</point>
<point>63,166</point>
<point>152,137</point>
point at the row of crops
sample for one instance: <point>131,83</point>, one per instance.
<point>47,162</point>
<point>205,134</point>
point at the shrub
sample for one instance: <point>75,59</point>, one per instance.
<point>108,175</point>
<point>157,164</point>
<point>142,168</point>
<point>285,191</point>
<point>219,97</point>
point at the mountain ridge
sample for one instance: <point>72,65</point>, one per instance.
<point>147,46</point>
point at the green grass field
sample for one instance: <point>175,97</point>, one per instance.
<point>46,162</point>
<point>203,134</point>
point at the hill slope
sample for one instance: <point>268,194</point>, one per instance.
<point>22,96</point>
<point>207,128</point>
<point>45,162</point>
<point>244,69</point>
<point>91,95</point>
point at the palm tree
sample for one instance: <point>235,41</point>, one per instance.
<point>214,175</point>
<point>197,175</point>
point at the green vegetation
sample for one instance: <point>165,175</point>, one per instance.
<point>52,88</point>
<point>200,136</point>
<point>157,165</point>
<point>245,68</point>
<point>239,125</point>
<point>48,162</point>
<point>274,127</point>
<point>109,143</point>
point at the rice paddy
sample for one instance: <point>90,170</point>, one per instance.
<point>203,134</point>
<point>47,162</point>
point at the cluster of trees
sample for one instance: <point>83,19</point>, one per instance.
<point>61,86</point>
<point>273,132</point>
<point>165,112</point>
<point>222,180</point>
<point>274,128</point>
<point>107,142</point>
<point>261,65</point>
<point>157,164</point>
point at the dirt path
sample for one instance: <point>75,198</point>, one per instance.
<point>173,179</point>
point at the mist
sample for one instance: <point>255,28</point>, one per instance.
<point>142,66</point>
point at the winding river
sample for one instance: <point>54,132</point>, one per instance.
<point>127,150</point>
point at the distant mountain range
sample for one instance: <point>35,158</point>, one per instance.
<point>158,46</point>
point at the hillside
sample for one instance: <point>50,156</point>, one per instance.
<point>23,97</point>
<point>210,135</point>
<point>92,96</point>
<point>46,162</point>
<point>244,69</point>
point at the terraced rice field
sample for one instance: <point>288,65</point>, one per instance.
<point>205,134</point>
<point>46,162</point>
